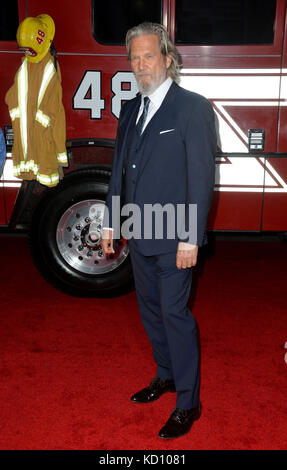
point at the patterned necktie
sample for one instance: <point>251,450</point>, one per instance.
<point>142,119</point>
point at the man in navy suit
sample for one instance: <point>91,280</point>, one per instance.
<point>164,158</point>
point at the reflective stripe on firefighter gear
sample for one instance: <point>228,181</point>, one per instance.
<point>47,75</point>
<point>22,104</point>
<point>25,166</point>
<point>62,158</point>
<point>42,118</point>
<point>47,180</point>
<point>14,113</point>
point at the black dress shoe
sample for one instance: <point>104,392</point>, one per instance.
<point>151,393</point>
<point>179,423</point>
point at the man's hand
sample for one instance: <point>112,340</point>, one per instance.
<point>186,255</point>
<point>107,241</point>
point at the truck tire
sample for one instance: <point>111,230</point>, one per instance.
<point>62,247</point>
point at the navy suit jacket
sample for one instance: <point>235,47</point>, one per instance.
<point>175,167</point>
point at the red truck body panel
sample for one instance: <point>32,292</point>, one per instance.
<point>247,86</point>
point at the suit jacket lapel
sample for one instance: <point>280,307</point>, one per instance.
<point>125,123</point>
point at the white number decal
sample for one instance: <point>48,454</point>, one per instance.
<point>91,83</point>
<point>122,94</point>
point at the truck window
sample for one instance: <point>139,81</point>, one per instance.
<point>224,22</point>
<point>111,19</point>
<point>9,20</point>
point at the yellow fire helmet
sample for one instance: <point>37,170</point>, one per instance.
<point>35,36</point>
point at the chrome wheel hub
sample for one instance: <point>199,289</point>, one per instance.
<point>78,239</point>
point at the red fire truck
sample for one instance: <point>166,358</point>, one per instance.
<point>233,52</point>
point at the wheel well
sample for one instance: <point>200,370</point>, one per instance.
<point>72,178</point>
<point>82,173</point>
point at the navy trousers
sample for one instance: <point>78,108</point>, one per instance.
<point>162,292</point>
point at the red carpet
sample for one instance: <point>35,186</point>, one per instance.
<point>69,365</point>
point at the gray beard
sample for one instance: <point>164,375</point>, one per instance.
<point>146,88</point>
<point>149,88</point>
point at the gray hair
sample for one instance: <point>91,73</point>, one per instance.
<point>166,45</point>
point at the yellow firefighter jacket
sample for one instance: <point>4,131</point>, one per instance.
<point>38,121</point>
